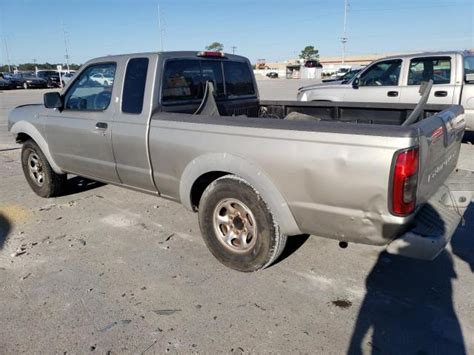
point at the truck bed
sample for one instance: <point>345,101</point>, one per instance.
<point>370,113</point>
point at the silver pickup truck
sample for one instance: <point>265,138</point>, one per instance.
<point>397,79</point>
<point>189,126</point>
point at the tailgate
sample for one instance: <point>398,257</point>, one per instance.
<point>440,139</point>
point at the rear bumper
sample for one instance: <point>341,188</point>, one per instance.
<point>434,225</point>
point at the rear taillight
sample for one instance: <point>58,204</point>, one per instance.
<point>405,180</point>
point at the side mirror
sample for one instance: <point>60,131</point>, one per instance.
<point>355,83</point>
<point>53,100</point>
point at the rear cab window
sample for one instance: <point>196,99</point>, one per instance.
<point>437,69</point>
<point>184,80</point>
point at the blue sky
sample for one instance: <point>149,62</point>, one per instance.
<point>274,30</point>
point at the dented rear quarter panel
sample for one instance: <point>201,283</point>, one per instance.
<point>335,185</point>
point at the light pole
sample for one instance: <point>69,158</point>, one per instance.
<point>233,49</point>
<point>65,46</point>
<point>344,32</point>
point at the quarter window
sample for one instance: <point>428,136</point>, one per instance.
<point>385,73</point>
<point>426,69</point>
<point>134,85</point>
<point>92,90</point>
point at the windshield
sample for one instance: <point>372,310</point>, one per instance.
<point>349,75</point>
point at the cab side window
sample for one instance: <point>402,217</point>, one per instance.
<point>92,90</point>
<point>386,73</point>
<point>425,69</point>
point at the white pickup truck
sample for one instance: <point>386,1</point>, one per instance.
<point>397,79</point>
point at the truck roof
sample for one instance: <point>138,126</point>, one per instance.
<point>169,54</point>
<point>424,54</point>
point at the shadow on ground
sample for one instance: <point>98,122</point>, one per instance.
<point>408,307</point>
<point>4,230</point>
<point>292,245</point>
<point>79,184</point>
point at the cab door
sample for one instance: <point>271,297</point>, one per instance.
<point>79,135</point>
<point>378,83</point>
<point>131,123</point>
<point>440,69</point>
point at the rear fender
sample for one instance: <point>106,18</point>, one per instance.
<point>251,173</point>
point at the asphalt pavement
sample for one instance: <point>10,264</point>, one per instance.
<point>107,270</point>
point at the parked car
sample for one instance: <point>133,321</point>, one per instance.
<point>103,78</point>
<point>15,83</point>
<point>272,75</point>
<point>6,84</point>
<point>66,77</point>
<point>189,127</point>
<point>29,80</point>
<point>397,79</point>
<point>51,77</point>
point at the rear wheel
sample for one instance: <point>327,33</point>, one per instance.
<point>39,174</point>
<point>238,227</point>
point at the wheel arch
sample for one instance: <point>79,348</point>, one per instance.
<point>203,170</point>
<point>24,130</point>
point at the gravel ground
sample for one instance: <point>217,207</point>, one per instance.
<point>107,270</point>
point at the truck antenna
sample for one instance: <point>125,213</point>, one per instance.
<point>160,27</point>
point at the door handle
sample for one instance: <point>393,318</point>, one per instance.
<point>102,126</point>
<point>392,93</point>
<point>441,93</point>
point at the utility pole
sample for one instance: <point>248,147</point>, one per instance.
<point>65,46</point>
<point>344,32</point>
<point>160,28</point>
<point>233,49</point>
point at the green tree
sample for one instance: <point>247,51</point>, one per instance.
<point>215,46</point>
<point>309,53</point>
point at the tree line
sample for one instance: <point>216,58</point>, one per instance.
<point>308,53</point>
<point>42,66</point>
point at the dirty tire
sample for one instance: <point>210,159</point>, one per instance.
<point>268,243</point>
<point>52,183</point>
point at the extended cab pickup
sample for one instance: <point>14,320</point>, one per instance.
<point>190,127</point>
<point>397,80</point>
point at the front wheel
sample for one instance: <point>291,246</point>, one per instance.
<point>38,173</point>
<point>25,85</point>
<point>237,225</point>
